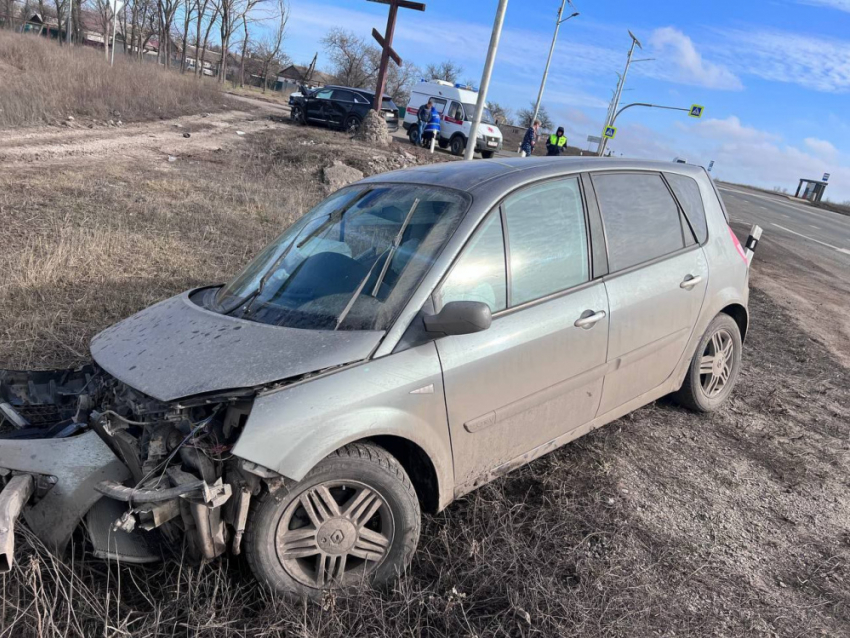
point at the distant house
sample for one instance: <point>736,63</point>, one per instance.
<point>295,76</point>
<point>212,59</point>
<point>92,29</point>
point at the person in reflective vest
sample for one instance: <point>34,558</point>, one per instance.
<point>557,143</point>
<point>432,128</point>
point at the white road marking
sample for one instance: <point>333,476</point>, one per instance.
<point>817,241</point>
<point>802,208</point>
<point>813,226</point>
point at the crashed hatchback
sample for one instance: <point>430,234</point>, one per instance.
<point>412,337</point>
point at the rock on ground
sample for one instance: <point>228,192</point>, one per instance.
<point>373,130</point>
<point>338,175</point>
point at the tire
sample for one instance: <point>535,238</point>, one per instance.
<point>296,114</point>
<point>458,145</point>
<point>697,392</point>
<point>356,474</point>
<point>486,154</point>
<point>352,123</point>
<point>413,135</point>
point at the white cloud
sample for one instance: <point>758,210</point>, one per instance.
<point>728,129</point>
<point>841,5</point>
<point>821,148</point>
<point>818,63</point>
<point>675,49</point>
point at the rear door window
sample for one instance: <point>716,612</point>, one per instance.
<point>687,192</point>
<point>343,96</point>
<point>641,218</point>
<point>479,273</point>
<point>547,240</point>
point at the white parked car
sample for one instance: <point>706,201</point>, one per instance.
<point>456,105</point>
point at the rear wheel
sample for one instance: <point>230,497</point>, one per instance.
<point>458,145</point>
<point>714,368</point>
<point>354,519</point>
<point>352,124</point>
<point>413,135</point>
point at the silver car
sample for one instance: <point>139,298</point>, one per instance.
<point>414,336</point>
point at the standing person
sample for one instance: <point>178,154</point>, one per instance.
<point>557,143</point>
<point>422,117</point>
<point>530,139</point>
<point>432,128</point>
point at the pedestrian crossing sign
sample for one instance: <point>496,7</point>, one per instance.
<point>696,110</point>
<point>610,132</point>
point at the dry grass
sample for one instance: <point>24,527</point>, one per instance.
<point>41,82</point>
<point>664,523</point>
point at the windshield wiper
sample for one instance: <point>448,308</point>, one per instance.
<point>394,247</point>
<point>333,217</point>
<point>389,256</point>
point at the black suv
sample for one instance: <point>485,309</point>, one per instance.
<point>339,106</point>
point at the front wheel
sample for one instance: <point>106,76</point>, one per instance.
<point>486,154</point>
<point>296,114</point>
<point>458,145</point>
<point>353,519</point>
<point>714,368</point>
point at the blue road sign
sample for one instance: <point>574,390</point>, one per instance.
<point>696,110</point>
<point>610,132</point>
<point>826,177</point>
<point>710,165</point>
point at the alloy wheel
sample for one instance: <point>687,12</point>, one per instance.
<point>715,366</point>
<point>334,533</point>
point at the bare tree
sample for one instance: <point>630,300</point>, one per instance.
<point>501,114</point>
<point>524,117</point>
<point>207,9</point>
<point>246,9</point>
<point>400,80</point>
<point>355,63</point>
<point>269,47</point>
<point>166,9</point>
<point>446,70</point>
<point>189,8</point>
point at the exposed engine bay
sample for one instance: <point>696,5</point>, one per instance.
<point>177,480</point>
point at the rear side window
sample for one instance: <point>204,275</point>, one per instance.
<point>479,273</point>
<point>547,240</point>
<point>343,96</point>
<point>687,192</point>
<point>640,216</point>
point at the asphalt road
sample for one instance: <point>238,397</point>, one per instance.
<point>802,261</point>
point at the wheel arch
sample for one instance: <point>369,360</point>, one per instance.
<point>739,313</point>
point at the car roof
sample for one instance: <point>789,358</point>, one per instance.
<point>351,88</point>
<point>493,174</point>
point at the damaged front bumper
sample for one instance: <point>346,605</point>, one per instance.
<point>79,445</point>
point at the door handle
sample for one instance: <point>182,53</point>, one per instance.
<point>590,320</point>
<point>690,282</point>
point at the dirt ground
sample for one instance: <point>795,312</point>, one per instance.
<point>664,523</point>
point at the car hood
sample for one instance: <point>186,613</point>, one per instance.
<point>176,349</point>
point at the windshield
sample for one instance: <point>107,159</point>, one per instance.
<point>351,263</point>
<point>469,113</point>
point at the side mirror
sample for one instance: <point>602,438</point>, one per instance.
<point>460,318</point>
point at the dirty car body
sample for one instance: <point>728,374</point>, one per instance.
<point>412,337</point>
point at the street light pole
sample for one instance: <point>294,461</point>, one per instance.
<point>620,84</point>
<point>549,59</point>
<point>485,80</point>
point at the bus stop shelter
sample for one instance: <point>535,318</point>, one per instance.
<point>812,189</point>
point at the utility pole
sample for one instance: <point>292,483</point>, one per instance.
<point>619,92</point>
<point>485,80</point>
<point>551,51</point>
<point>114,25</point>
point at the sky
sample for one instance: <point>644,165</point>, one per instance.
<point>773,75</point>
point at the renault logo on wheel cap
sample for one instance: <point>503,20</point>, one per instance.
<point>337,537</point>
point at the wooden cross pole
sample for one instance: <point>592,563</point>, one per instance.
<point>386,43</point>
